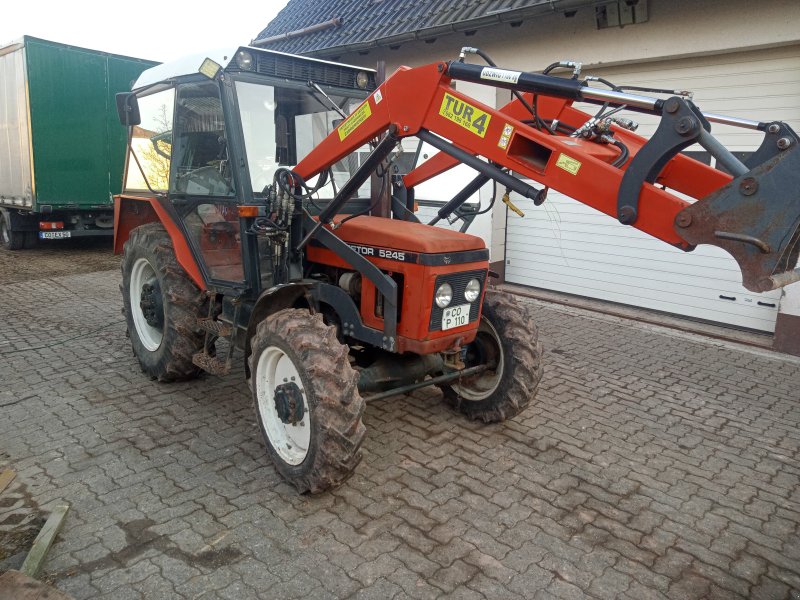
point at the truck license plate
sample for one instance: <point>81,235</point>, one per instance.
<point>54,235</point>
<point>455,316</point>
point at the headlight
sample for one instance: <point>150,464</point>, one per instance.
<point>443,295</point>
<point>473,290</point>
<point>245,60</point>
<point>362,79</point>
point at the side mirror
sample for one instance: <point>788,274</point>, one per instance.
<point>128,109</point>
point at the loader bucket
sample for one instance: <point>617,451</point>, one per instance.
<point>756,219</point>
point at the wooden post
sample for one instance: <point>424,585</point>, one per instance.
<point>6,477</point>
<point>35,559</point>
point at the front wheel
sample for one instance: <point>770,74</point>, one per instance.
<point>306,399</point>
<point>508,342</point>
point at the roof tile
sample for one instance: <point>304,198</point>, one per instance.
<point>370,21</point>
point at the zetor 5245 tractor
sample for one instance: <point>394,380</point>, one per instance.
<point>247,219</point>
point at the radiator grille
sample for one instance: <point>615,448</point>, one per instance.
<point>458,281</point>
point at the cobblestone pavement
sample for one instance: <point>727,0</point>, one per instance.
<point>653,464</point>
<point>60,257</point>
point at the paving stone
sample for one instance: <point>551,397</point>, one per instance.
<point>652,464</point>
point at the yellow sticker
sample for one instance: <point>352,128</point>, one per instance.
<point>505,136</point>
<point>356,118</point>
<point>569,164</point>
<point>464,114</point>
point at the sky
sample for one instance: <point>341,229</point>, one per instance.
<point>161,30</point>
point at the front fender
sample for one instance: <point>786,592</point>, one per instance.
<point>279,297</point>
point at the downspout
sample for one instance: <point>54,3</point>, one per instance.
<point>335,22</point>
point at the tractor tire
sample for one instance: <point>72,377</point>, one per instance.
<point>299,357</point>
<point>10,238</point>
<point>508,338</point>
<point>154,282</point>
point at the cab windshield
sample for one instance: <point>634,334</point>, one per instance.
<point>282,125</point>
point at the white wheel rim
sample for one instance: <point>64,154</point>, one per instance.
<point>141,273</point>
<point>484,384</point>
<point>291,442</point>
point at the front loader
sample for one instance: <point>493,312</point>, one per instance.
<point>247,225</point>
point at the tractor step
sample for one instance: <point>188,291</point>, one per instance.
<point>214,327</point>
<point>211,364</point>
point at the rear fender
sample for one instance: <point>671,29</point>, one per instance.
<point>270,301</point>
<point>131,211</point>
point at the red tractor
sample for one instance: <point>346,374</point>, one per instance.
<point>247,223</point>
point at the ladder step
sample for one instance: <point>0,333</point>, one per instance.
<point>211,364</point>
<point>214,327</point>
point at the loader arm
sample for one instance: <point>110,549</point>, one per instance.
<point>754,214</point>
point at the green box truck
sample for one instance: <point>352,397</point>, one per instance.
<point>62,149</point>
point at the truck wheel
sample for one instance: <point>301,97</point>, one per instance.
<point>11,239</point>
<point>507,339</point>
<point>161,306</point>
<point>307,401</point>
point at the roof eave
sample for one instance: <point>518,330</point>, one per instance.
<point>541,8</point>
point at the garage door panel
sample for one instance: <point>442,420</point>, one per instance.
<point>596,228</point>
<point>659,273</point>
<point>591,245</point>
<point>759,318</point>
<point>570,253</point>
<point>635,287</point>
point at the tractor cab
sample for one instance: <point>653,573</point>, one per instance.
<point>212,131</point>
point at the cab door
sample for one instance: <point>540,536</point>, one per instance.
<point>202,188</point>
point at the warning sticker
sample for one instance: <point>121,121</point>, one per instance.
<point>464,114</point>
<point>569,164</point>
<point>501,75</point>
<point>505,136</point>
<point>358,116</point>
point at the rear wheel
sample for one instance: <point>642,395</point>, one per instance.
<point>161,306</point>
<point>306,398</point>
<point>11,239</point>
<point>508,341</point>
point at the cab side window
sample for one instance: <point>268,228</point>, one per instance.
<point>151,144</point>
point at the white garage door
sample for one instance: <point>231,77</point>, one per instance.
<point>568,247</point>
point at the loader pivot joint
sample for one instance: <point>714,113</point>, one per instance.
<point>682,124</point>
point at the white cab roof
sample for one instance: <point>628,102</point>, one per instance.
<point>190,64</point>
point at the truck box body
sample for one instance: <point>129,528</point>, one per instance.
<point>62,147</point>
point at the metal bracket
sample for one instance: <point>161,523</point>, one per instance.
<point>385,284</point>
<point>347,311</point>
<point>756,219</point>
<point>682,125</point>
<point>777,138</point>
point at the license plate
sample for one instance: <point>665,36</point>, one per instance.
<point>54,235</point>
<point>455,316</point>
